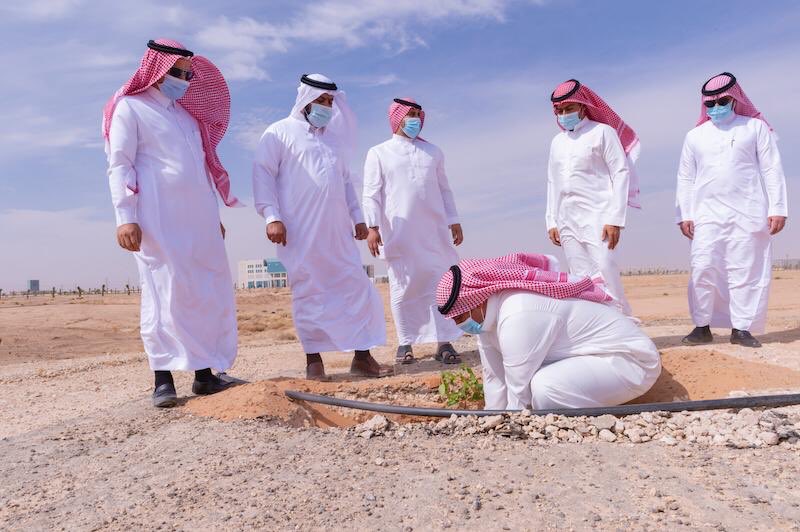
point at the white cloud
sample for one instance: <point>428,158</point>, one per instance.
<point>27,130</point>
<point>243,44</point>
<point>41,9</point>
<point>247,128</point>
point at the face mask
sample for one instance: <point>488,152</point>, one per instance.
<point>320,115</point>
<point>720,113</point>
<point>471,326</point>
<point>569,120</point>
<point>173,88</point>
<point>412,126</point>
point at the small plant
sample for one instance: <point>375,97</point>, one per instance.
<point>461,386</point>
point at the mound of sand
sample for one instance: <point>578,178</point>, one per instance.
<point>687,375</point>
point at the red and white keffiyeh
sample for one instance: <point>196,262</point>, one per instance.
<point>478,279</point>
<point>399,110</point>
<point>207,99</point>
<point>573,91</point>
<point>725,84</point>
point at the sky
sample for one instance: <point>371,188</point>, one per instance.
<point>483,70</point>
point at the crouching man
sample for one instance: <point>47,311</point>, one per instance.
<point>546,339</point>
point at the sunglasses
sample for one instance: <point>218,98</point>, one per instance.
<point>181,74</point>
<point>722,101</point>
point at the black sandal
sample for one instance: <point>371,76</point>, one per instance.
<point>447,354</point>
<point>404,355</point>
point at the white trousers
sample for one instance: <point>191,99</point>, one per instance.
<point>588,257</point>
<point>731,273</point>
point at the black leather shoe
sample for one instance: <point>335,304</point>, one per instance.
<point>744,338</point>
<point>699,336</point>
<point>215,385</point>
<point>164,396</point>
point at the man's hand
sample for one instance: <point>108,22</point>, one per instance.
<point>776,224</point>
<point>687,228</point>
<point>458,234</point>
<point>361,231</point>
<point>374,240</point>
<point>611,234</point>
<point>222,230</point>
<point>276,233</point>
<point>555,238</point>
<point>129,236</point>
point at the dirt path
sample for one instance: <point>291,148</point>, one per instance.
<point>82,448</point>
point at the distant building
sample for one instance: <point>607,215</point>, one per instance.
<point>33,285</point>
<point>264,273</point>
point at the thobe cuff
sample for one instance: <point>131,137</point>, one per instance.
<point>779,211</point>
<point>619,222</point>
<point>126,216</point>
<point>452,221</point>
<point>271,215</point>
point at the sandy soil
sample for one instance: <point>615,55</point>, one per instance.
<point>83,449</point>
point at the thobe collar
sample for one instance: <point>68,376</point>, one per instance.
<point>159,97</point>
<point>402,138</point>
<point>580,125</point>
<point>492,308</point>
<point>309,127</point>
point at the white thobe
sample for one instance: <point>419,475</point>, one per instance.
<point>587,188</point>
<point>188,317</point>
<point>407,196</point>
<point>300,179</point>
<point>730,180</point>
<point>562,353</point>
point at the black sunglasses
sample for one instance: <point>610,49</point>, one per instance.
<point>181,74</point>
<point>722,101</point>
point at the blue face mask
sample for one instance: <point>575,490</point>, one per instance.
<point>173,88</point>
<point>720,113</point>
<point>412,127</point>
<point>320,115</point>
<point>569,120</point>
<point>471,326</point>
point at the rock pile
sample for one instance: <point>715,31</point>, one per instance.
<point>745,428</point>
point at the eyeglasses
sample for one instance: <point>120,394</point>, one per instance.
<point>181,74</point>
<point>725,100</point>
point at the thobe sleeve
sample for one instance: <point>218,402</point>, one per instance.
<point>525,338</point>
<point>550,211</point>
<point>373,190</point>
<point>266,169</point>
<point>123,141</point>
<point>450,211</point>
<point>684,196</point>
<point>617,163</point>
<point>769,161</point>
<point>353,204</point>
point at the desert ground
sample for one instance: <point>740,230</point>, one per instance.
<point>83,449</point>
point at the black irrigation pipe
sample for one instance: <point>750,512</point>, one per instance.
<point>769,401</point>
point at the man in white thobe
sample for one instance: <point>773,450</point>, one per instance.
<point>410,211</point>
<point>590,184</point>
<point>163,171</point>
<point>731,200</point>
<point>302,187</point>
<point>542,352</point>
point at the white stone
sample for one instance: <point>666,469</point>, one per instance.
<point>769,438</point>
<point>491,422</point>
<point>606,421</point>
<point>607,435</point>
